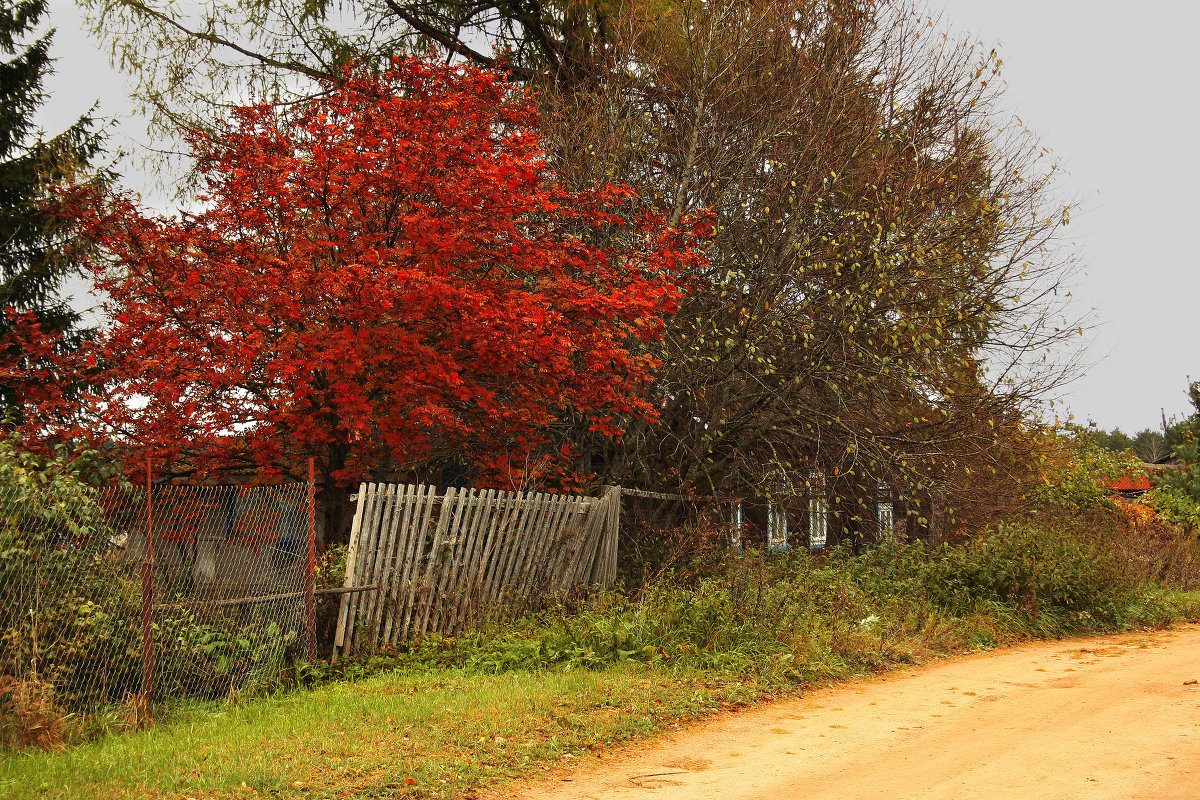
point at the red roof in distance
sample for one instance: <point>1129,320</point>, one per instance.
<point>1127,483</point>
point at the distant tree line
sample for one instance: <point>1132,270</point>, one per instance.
<point>1176,443</point>
<point>1174,439</point>
<point>1149,445</point>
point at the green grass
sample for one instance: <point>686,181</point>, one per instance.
<point>439,734</point>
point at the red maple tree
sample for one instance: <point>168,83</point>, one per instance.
<point>384,274</point>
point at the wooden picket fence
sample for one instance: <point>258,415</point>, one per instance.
<point>427,562</point>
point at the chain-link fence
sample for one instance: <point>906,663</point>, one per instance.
<point>117,594</point>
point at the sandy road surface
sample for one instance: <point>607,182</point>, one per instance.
<point>1098,718</point>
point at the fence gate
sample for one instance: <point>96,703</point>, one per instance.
<point>429,562</point>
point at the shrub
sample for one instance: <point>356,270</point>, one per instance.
<point>1078,471</point>
<point>68,611</point>
<point>1153,546</point>
<point>210,658</point>
<point>1175,506</point>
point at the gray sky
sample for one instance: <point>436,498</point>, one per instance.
<point>1108,86</point>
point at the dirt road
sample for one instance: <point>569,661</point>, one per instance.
<point>1113,717</point>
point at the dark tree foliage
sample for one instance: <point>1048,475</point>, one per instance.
<point>1115,441</point>
<point>34,257</point>
<point>1182,437</point>
<point>1178,432</point>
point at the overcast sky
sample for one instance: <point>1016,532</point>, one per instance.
<point>1109,87</point>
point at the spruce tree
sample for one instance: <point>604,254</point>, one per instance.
<point>34,257</point>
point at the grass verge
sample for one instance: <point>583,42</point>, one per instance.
<point>437,734</point>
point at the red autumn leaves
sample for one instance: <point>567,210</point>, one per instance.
<point>385,274</point>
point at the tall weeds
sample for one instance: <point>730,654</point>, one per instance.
<point>795,617</point>
<point>29,715</point>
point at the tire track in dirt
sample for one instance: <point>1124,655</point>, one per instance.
<point>1109,717</point>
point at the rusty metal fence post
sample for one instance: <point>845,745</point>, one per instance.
<point>310,605</point>
<point>148,606</point>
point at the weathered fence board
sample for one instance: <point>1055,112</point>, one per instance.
<point>439,560</point>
